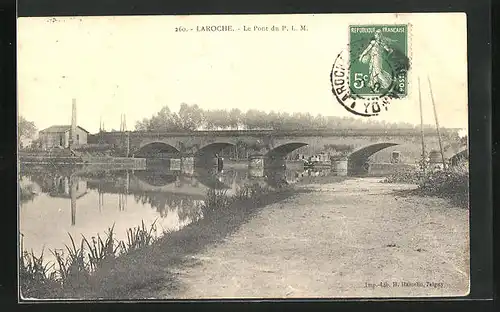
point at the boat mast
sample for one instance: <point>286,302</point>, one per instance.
<point>421,125</point>
<point>437,124</point>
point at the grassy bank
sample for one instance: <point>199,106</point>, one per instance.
<point>452,184</point>
<point>76,264</point>
<point>102,267</point>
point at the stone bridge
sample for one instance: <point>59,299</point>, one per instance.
<point>270,144</point>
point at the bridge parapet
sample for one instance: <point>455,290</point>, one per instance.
<point>281,133</point>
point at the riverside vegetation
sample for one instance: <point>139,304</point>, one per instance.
<point>88,269</point>
<point>452,184</point>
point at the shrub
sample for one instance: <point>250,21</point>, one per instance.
<point>452,183</point>
<point>406,175</point>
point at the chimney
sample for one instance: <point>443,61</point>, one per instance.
<point>73,140</point>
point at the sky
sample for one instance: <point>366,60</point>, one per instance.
<point>135,65</point>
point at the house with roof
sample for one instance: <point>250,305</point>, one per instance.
<point>59,136</point>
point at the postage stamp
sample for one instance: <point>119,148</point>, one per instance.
<point>373,70</point>
<point>380,68</point>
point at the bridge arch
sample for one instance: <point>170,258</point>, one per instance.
<point>205,156</point>
<point>156,149</point>
<point>358,158</point>
<point>284,149</point>
<point>211,149</point>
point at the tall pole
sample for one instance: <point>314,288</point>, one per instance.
<point>72,136</point>
<point>421,123</point>
<point>124,122</point>
<point>437,124</point>
<point>128,143</point>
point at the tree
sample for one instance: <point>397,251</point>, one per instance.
<point>251,119</point>
<point>164,120</point>
<point>142,125</point>
<point>320,122</point>
<point>217,119</point>
<point>210,119</point>
<point>25,129</point>
<point>190,116</point>
<point>273,120</point>
<point>234,117</point>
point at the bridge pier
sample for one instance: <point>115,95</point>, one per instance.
<point>187,164</point>
<point>340,166</point>
<point>256,165</point>
<point>175,164</point>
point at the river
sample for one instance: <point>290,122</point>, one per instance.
<point>60,201</point>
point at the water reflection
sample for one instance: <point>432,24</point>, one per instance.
<point>54,203</point>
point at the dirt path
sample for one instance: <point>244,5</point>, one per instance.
<point>339,241</point>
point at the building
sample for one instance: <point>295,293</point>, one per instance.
<point>59,136</point>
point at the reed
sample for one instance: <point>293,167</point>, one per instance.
<point>73,268</point>
<point>34,267</point>
<point>216,200</point>
<point>101,250</point>
<point>76,263</point>
<point>139,237</point>
<point>35,274</point>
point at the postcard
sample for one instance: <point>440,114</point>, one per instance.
<point>243,156</point>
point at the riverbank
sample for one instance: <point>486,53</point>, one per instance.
<point>66,158</point>
<point>340,240</point>
<point>451,184</point>
<point>141,272</point>
<point>324,237</point>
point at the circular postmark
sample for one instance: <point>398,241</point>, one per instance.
<point>365,79</point>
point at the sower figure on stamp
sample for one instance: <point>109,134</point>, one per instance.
<point>379,78</point>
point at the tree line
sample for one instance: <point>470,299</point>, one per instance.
<point>192,117</point>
